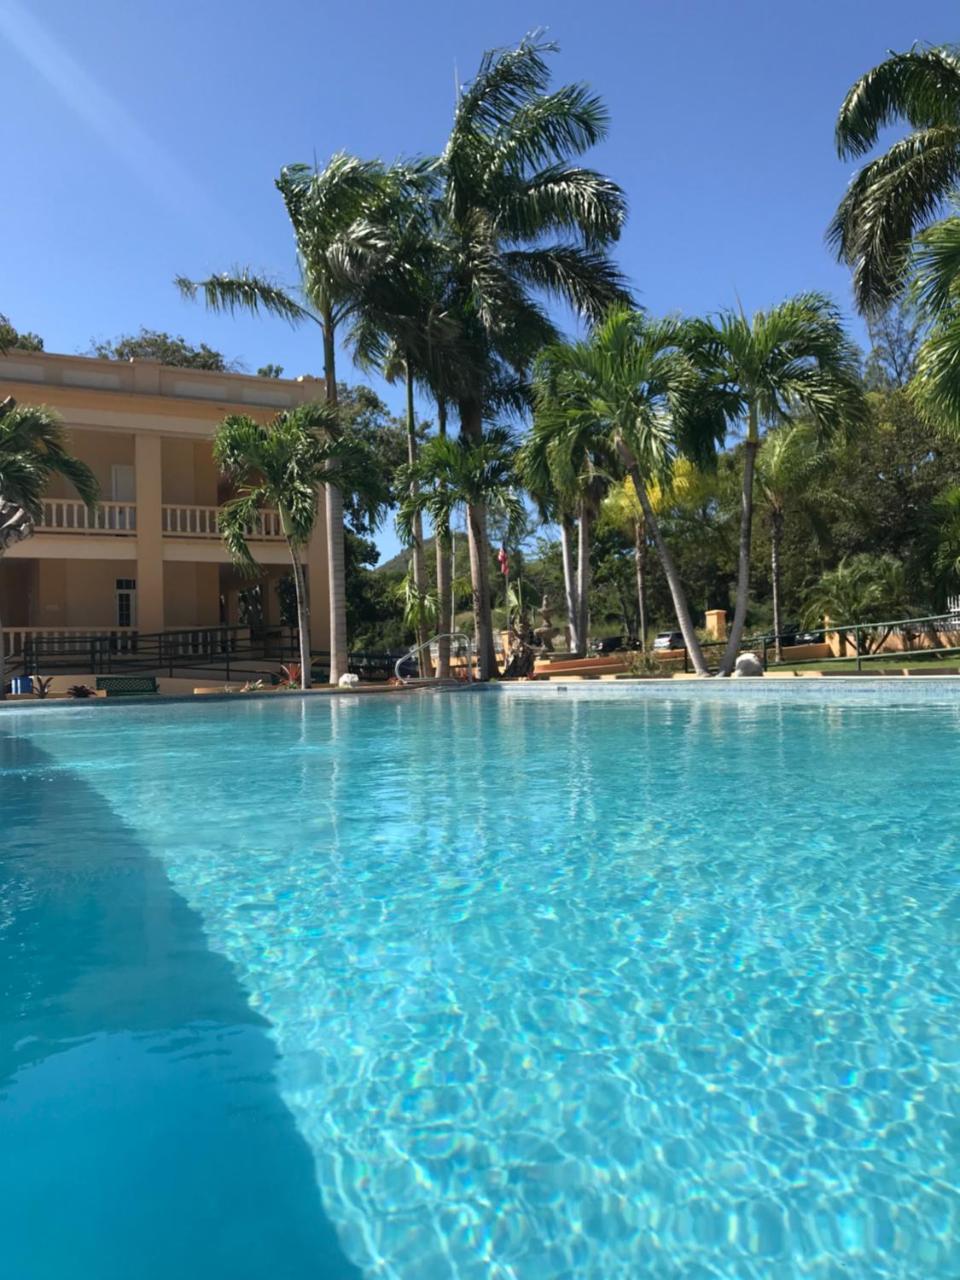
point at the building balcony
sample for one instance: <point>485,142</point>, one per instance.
<point>64,515</point>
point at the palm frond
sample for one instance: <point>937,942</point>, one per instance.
<point>937,265</point>
<point>920,86</point>
<point>243,290</point>
<point>887,202</point>
<point>563,200</point>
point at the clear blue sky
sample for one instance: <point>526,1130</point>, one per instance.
<point>140,140</point>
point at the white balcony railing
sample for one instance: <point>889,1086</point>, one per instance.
<point>66,515</point>
<point>202,522</point>
<point>64,639</point>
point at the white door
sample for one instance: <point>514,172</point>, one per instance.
<point>126,602</point>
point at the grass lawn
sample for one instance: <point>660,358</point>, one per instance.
<point>944,662</point>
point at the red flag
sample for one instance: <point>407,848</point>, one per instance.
<point>503,561</point>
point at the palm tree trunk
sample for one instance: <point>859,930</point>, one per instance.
<point>471,425</point>
<point>336,562</point>
<point>303,616</point>
<point>680,605</point>
<point>640,558</point>
<point>480,583</point>
<point>416,554</point>
<point>776,535</point>
<point>743,567</point>
<point>444,620</point>
<point>583,579</point>
<point>570,583</point>
<point>444,549</point>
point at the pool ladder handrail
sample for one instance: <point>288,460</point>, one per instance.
<point>444,635</point>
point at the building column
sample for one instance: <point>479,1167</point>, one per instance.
<point>317,584</point>
<point>148,459</point>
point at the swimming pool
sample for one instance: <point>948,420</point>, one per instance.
<point>568,984</point>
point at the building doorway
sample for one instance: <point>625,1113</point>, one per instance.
<point>126,602</point>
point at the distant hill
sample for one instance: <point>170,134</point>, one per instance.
<point>398,563</point>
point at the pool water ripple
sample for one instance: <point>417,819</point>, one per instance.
<point>583,989</point>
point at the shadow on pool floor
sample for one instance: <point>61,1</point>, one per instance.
<point>141,1131</point>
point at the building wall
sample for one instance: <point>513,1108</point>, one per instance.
<point>191,594</point>
<point>75,593</point>
<point>100,450</point>
<point>18,591</point>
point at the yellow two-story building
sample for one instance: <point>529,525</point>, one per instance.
<point>150,558</point>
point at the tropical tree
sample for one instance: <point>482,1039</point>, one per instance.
<point>789,468</point>
<point>33,449</point>
<point>401,326</point>
<point>886,227</point>
<point>946,558</point>
<point>863,589</point>
<point>522,224</point>
<point>169,349</point>
<point>687,491</point>
<point>284,465</point>
<point>556,503</point>
<point>793,358</point>
<point>453,475</point>
<point>575,467</point>
<point>328,210</point>
<point>633,387</point>
<point>901,191</point>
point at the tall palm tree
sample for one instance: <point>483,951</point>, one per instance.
<point>401,326</point>
<point>33,449</point>
<point>575,467</point>
<point>453,475</point>
<point>522,224</point>
<point>328,210</point>
<point>788,469</point>
<point>284,465</point>
<point>794,357</point>
<point>897,193</point>
<point>634,389</point>
<point>538,474</point>
<point>687,493</point>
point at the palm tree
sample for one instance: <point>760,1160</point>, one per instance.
<point>451,475</point>
<point>622,510</point>
<point>402,327</point>
<point>862,589</point>
<point>328,209</point>
<point>538,474</point>
<point>793,357</point>
<point>788,468</point>
<point>576,468</point>
<point>901,191</point>
<point>946,555</point>
<point>33,449</point>
<point>522,224</point>
<point>632,395</point>
<point>284,465</point>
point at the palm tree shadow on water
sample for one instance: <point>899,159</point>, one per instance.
<point>141,1130</point>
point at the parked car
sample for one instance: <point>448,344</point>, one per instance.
<point>609,644</point>
<point>668,640</point>
<point>789,635</point>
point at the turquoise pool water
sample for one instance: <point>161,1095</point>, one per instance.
<point>474,986</point>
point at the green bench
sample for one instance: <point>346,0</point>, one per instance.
<point>127,686</point>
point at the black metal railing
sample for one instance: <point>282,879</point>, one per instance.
<point>859,642</point>
<point>221,652</point>
<point>220,649</point>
